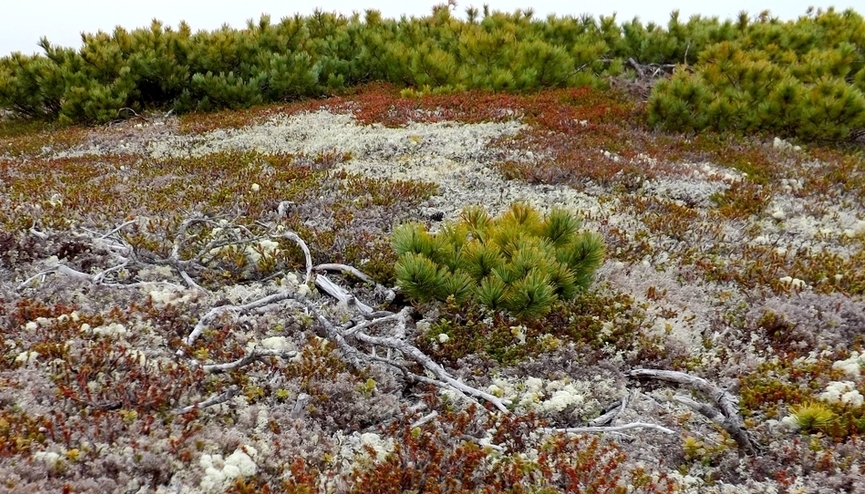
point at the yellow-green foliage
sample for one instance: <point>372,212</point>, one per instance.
<point>800,78</point>
<point>796,79</point>
<point>520,262</point>
<point>813,416</point>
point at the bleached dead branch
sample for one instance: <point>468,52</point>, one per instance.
<point>33,231</point>
<point>392,317</point>
<point>423,420</point>
<point>613,428</point>
<point>651,70</point>
<point>350,352</point>
<point>115,229</point>
<point>706,410</point>
<point>215,400</point>
<point>299,241</point>
<point>214,313</point>
<point>300,405</point>
<point>437,370</point>
<point>190,282</point>
<point>389,293</point>
<point>604,423</point>
<point>727,403</point>
<point>96,279</point>
<point>101,275</point>
<point>442,378</point>
<point>611,414</point>
<point>124,256</point>
<point>255,354</point>
<point>181,237</point>
<point>324,284</point>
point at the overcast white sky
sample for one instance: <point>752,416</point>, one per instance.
<point>23,22</point>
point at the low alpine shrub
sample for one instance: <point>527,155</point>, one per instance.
<point>520,262</point>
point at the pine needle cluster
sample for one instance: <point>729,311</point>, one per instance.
<point>520,262</point>
<point>808,85</point>
<point>813,416</point>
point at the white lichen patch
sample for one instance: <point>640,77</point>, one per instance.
<point>157,273</point>
<point>851,366</point>
<point>355,448</point>
<point>674,312</point>
<point>325,132</point>
<point>111,329</point>
<point>519,333</point>
<point>49,458</point>
<point>26,358</point>
<point>264,247</point>
<point>163,296</point>
<point>577,398</point>
<point>793,283</point>
<point>561,399</point>
<point>468,181</point>
<point>241,294</point>
<point>799,226</point>
<point>687,191</point>
<point>277,343</point>
<point>136,356</point>
<point>453,155</point>
<point>784,145</point>
<point>844,392</point>
<point>712,172</point>
<point>218,472</point>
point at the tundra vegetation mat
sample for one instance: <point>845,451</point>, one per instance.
<point>162,329</point>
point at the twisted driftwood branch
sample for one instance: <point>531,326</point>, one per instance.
<point>728,418</point>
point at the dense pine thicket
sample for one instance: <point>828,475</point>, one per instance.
<point>801,78</point>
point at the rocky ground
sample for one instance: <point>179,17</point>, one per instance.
<point>140,354</point>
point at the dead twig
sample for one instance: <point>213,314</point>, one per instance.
<point>214,400</point>
<point>214,313</point>
<point>443,379</point>
<point>256,354</point>
<point>616,428</point>
<point>727,403</point>
<point>389,293</point>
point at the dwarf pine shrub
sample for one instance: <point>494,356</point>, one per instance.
<point>520,262</point>
<point>800,79</point>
